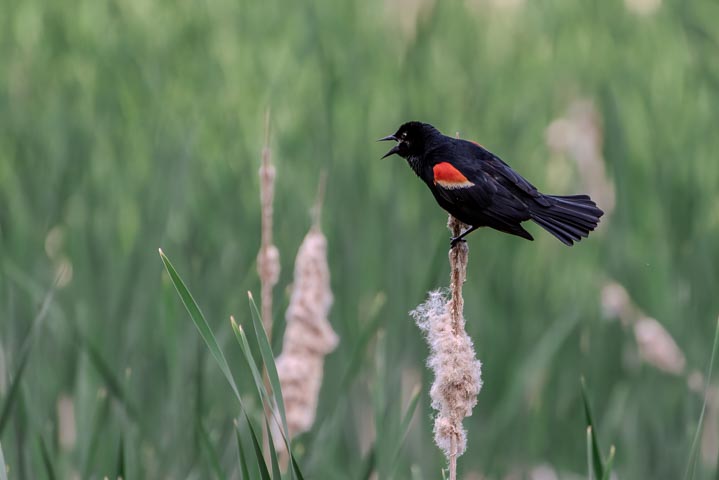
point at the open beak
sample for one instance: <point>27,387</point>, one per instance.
<point>394,149</point>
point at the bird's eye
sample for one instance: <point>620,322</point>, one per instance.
<point>403,136</point>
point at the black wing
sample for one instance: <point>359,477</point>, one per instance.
<point>499,193</point>
<point>504,174</point>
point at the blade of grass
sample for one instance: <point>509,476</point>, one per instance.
<point>404,428</point>
<point>245,347</point>
<point>259,385</point>
<point>539,359</point>
<point>264,473</point>
<point>256,376</point>
<point>244,472</point>
<point>360,350</point>
<point>199,372</point>
<point>13,392</point>
<point>114,386</point>
<point>39,318</point>
<point>212,458</point>
<point>369,463</point>
<point>590,469</point>
<point>99,420</point>
<point>121,459</point>
<point>694,451</point>
<point>596,451</point>
<point>3,467</point>
<point>269,362</point>
<point>296,468</point>
<point>276,473</point>
<point>201,324</point>
<point>46,461</point>
<point>208,336</point>
<point>609,464</point>
<point>24,350</point>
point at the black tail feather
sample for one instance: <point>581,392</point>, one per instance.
<point>569,218</point>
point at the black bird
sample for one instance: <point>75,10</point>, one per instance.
<point>479,189</point>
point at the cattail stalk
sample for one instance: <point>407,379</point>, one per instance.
<point>656,346</point>
<point>268,259</point>
<point>458,374</point>
<point>578,134</point>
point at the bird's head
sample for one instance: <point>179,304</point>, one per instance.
<point>412,139</point>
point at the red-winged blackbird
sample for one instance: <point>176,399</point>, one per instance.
<point>479,189</point>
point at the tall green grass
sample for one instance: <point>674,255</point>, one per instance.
<point>128,125</point>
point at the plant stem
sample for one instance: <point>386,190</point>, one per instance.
<point>458,256</point>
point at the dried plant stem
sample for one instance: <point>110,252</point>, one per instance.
<point>268,259</point>
<point>453,459</point>
<point>319,200</point>
<point>458,257</point>
<point>458,374</point>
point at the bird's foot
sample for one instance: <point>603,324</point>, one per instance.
<point>455,240</point>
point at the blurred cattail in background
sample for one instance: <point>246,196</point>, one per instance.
<point>54,248</point>
<point>657,347</point>
<point>458,374</point>
<point>66,426</point>
<point>643,7</point>
<point>413,12</point>
<point>308,336</point>
<point>482,6</point>
<point>268,258</point>
<point>616,303</point>
<point>655,344</point>
<point>578,134</point>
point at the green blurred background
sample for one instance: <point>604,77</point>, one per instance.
<point>125,126</point>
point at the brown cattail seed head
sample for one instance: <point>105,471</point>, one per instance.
<point>657,347</point>
<point>578,134</point>
<point>615,301</point>
<point>458,374</point>
<point>308,336</point>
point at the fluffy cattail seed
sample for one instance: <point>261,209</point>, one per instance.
<point>308,336</point>
<point>458,374</point>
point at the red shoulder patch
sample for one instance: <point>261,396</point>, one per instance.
<point>446,175</point>
<point>446,172</point>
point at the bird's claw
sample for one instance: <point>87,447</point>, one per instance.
<point>455,240</point>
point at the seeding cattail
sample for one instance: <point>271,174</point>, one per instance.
<point>268,258</point>
<point>413,12</point>
<point>578,134</point>
<point>308,336</point>
<point>66,425</point>
<point>457,372</point>
<point>616,303</point>
<point>656,345</point>
<point>643,7</point>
